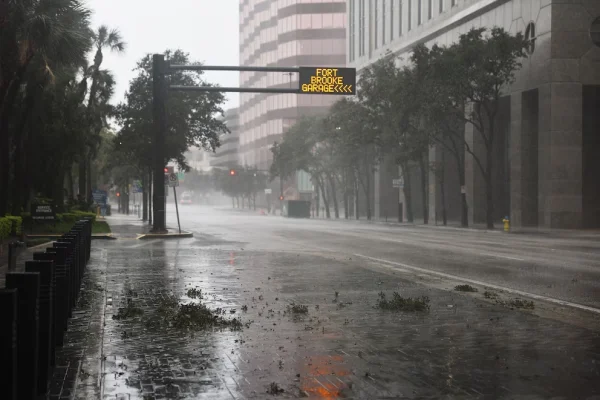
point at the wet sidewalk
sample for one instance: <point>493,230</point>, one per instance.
<point>294,325</point>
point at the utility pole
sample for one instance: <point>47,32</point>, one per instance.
<point>159,90</point>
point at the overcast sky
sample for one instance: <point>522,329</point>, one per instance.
<point>207,29</point>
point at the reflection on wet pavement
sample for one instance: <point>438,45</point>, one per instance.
<point>343,347</point>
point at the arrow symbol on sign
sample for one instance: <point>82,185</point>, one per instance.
<point>338,88</point>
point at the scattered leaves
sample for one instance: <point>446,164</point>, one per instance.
<point>399,303</point>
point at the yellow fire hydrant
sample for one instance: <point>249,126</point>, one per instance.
<point>506,224</point>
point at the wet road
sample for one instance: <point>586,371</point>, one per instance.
<point>255,268</point>
<point>559,267</point>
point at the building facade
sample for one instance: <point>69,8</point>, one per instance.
<point>547,166</point>
<point>228,154</point>
<point>284,33</point>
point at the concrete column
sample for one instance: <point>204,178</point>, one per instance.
<point>560,155</point>
<point>516,199</point>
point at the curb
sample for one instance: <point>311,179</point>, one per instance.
<point>53,235</point>
<point>182,235</point>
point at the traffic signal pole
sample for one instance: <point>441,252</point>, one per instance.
<point>334,81</point>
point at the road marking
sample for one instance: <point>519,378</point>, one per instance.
<point>476,282</point>
<point>500,256</point>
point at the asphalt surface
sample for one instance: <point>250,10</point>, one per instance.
<point>562,267</point>
<point>256,268</point>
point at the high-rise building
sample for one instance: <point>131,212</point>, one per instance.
<point>284,33</point>
<point>228,154</point>
<point>546,145</point>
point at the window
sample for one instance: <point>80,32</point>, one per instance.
<point>351,28</point>
<point>441,6</point>
<point>361,28</point>
<point>383,18</point>
<point>429,9</point>
<point>453,3</point>
<point>400,19</point>
<point>391,20</point>
<point>419,11</point>
<point>409,15</point>
<point>376,20</point>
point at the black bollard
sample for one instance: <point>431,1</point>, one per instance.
<point>28,287</point>
<point>71,242</point>
<point>61,271</point>
<point>53,332</point>
<point>8,343</point>
<point>46,271</point>
<point>64,258</point>
<point>13,249</point>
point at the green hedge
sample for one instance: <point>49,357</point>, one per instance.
<point>16,224</point>
<point>74,216</point>
<point>5,227</point>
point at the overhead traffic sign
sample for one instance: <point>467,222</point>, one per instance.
<point>321,80</point>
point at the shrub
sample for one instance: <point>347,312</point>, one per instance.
<point>5,227</point>
<point>16,224</point>
<point>74,216</point>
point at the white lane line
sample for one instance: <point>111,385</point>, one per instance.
<point>500,256</point>
<point>476,282</point>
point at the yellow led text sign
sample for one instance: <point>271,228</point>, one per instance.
<point>321,80</point>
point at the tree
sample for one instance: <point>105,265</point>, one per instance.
<point>103,38</point>
<point>473,74</point>
<point>443,116</point>
<point>37,39</point>
<point>192,116</point>
<point>357,147</point>
<point>387,92</point>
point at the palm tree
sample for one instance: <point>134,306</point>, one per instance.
<point>40,35</point>
<point>104,38</point>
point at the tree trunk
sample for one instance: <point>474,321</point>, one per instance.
<point>82,177</point>
<point>88,188</point>
<point>336,206</point>
<point>144,198</point>
<point>489,196</point>
<point>367,190</point>
<point>442,170</point>
<point>346,200</point>
<point>325,199</point>
<point>70,181</point>
<point>150,197</point>
<point>407,193</point>
<point>356,197</point>
<point>424,186</point>
<point>6,110</point>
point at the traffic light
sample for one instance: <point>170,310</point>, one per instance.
<point>166,170</point>
<point>232,172</point>
<point>281,198</point>
<point>118,194</point>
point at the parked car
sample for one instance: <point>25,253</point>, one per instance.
<point>186,198</point>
